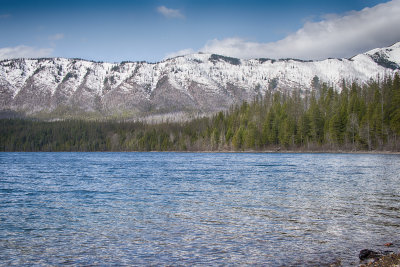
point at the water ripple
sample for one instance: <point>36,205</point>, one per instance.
<point>195,209</point>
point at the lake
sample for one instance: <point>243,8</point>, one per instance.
<point>196,208</point>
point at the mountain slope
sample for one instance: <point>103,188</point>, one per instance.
<point>192,84</point>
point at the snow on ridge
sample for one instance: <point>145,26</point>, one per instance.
<point>211,71</point>
<point>393,53</point>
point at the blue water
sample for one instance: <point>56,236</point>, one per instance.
<point>196,209</point>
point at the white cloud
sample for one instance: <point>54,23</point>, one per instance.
<point>170,13</point>
<point>235,47</point>
<point>23,51</point>
<point>180,53</point>
<point>334,36</point>
<point>56,37</point>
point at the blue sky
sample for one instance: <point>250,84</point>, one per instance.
<point>152,30</point>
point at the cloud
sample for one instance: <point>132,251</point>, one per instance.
<point>170,13</point>
<point>236,47</point>
<point>56,37</point>
<point>5,16</point>
<point>334,36</point>
<point>180,53</point>
<point>23,51</point>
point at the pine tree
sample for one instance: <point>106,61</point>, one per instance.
<point>394,116</point>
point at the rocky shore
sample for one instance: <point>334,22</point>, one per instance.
<point>387,258</point>
<point>375,258</point>
<point>391,260</point>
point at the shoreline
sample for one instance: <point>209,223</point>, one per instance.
<point>282,152</point>
<point>374,152</point>
<point>390,260</point>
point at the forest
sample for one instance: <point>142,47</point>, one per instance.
<point>358,118</point>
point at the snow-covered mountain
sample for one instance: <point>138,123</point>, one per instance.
<point>192,84</point>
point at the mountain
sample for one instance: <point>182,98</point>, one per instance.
<point>177,88</point>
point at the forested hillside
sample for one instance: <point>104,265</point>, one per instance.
<point>359,118</point>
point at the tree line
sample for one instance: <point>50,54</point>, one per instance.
<point>358,118</point>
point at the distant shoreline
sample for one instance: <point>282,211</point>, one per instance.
<point>275,152</point>
<point>377,152</point>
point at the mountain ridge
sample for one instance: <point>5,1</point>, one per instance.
<point>193,84</point>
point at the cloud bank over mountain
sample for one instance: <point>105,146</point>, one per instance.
<point>23,51</point>
<point>335,36</point>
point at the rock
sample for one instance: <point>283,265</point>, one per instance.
<point>366,254</point>
<point>391,260</point>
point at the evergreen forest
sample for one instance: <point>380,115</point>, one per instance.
<point>358,118</point>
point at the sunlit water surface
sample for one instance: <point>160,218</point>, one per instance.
<point>196,209</point>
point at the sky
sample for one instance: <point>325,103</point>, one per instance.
<point>153,30</point>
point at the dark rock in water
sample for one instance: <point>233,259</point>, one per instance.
<point>368,254</point>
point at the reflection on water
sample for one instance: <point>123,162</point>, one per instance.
<point>182,208</point>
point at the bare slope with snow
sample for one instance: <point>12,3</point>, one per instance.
<point>197,83</point>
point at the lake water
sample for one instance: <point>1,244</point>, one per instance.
<point>196,209</point>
